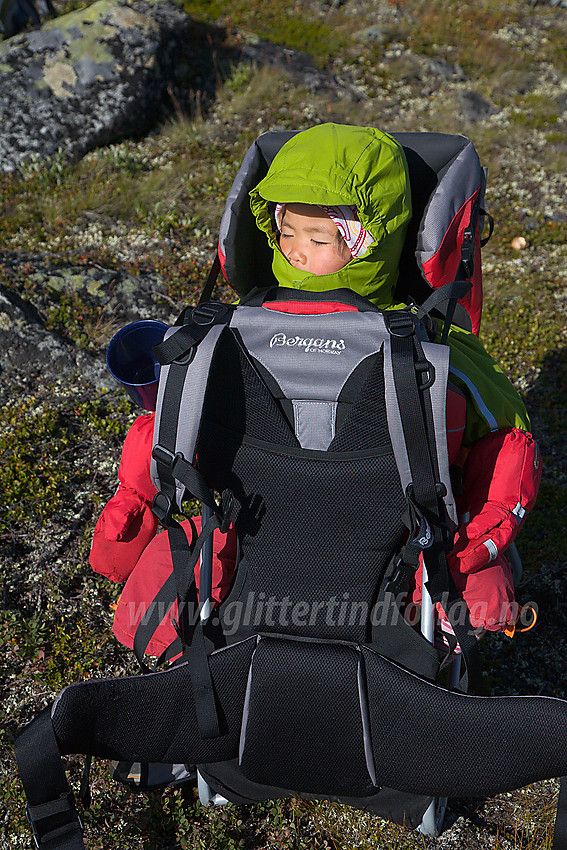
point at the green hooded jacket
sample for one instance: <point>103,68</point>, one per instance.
<point>338,164</point>
<point>333,164</point>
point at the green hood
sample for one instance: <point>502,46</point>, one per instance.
<point>338,164</point>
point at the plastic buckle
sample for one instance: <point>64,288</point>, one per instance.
<point>425,367</point>
<point>58,831</point>
<point>467,253</point>
<point>162,506</point>
<point>228,503</point>
<point>397,576</point>
<point>162,455</point>
<point>208,313</point>
<point>167,458</point>
<point>401,324</point>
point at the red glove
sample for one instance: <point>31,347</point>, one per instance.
<point>500,486</point>
<point>127,523</point>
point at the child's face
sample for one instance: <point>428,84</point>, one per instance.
<point>309,240</point>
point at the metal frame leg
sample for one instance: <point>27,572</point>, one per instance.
<point>432,821</point>
<point>206,795</point>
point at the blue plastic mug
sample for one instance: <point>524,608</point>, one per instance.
<point>132,362</point>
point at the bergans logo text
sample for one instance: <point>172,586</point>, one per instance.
<point>310,344</point>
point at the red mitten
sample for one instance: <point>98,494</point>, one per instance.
<point>127,524</point>
<point>481,540</point>
<point>134,469</point>
<point>121,534</point>
<point>500,485</point>
<point>152,571</point>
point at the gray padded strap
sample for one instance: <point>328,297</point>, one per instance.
<point>191,402</point>
<point>438,355</point>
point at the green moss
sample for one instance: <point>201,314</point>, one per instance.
<point>536,111</point>
<point>38,448</point>
<point>450,29</point>
<point>278,21</point>
<point>520,325</point>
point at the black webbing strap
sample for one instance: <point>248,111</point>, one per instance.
<point>51,807</point>
<point>180,586</point>
<point>450,292</point>
<point>184,558</point>
<point>196,326</point>
<point>409,366</point>
<point>173,468</point>
<point>560,830</point>
<point>156,611</point>
<point>165,500</point>
<point>211,280</point>
<point>171,465</point>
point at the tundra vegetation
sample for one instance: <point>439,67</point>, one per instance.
<point>148,210</point>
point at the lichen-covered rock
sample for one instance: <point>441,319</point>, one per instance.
<point>88,77</point>
<point>27,347</point>
<point>75,312</point>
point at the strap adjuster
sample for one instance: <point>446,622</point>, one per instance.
<point>400,324</point>
<point>397,576</point>
<point>228,503</point>
<point>424,367</point>
<point>163,455</point>
<point>208,313</point>
<point>167,458</point>
<point>48,821</point>
<point>162,506</point>
<point>467,253</point>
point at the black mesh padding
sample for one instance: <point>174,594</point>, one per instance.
<point>425,740</point>
<point>366,425</point>
<point>152,718</point>
<point>428,740</point>
<point>303,727</point>
<point>296,502</point>
<point>238,400</point>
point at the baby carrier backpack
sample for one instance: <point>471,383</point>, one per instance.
<point>313,424</point>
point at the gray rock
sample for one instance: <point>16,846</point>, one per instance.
<point>88,78</point>
<point>28,347</point>
<point>371,35</point>
<point>475,107</point>
<point>447,70</point>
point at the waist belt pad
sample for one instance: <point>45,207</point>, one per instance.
<point>421,738</point>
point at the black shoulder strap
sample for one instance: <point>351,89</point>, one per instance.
<point>51,807</point>
<point>186,358</point>
<point>413,377</point>
<point>211,280</point>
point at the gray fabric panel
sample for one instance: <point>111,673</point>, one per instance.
<point>438,355</point>
<point>191,403</point>
<point>310,357</point>
<point>394,419</point>
<point>314,423</point>
<point>246,709</point>
<point>366,733</point>
<point>462,178</point>
<point>248,162</point>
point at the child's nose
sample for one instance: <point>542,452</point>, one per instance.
<point>297,255</point>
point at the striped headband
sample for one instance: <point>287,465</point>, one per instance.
<point>346,218</point>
